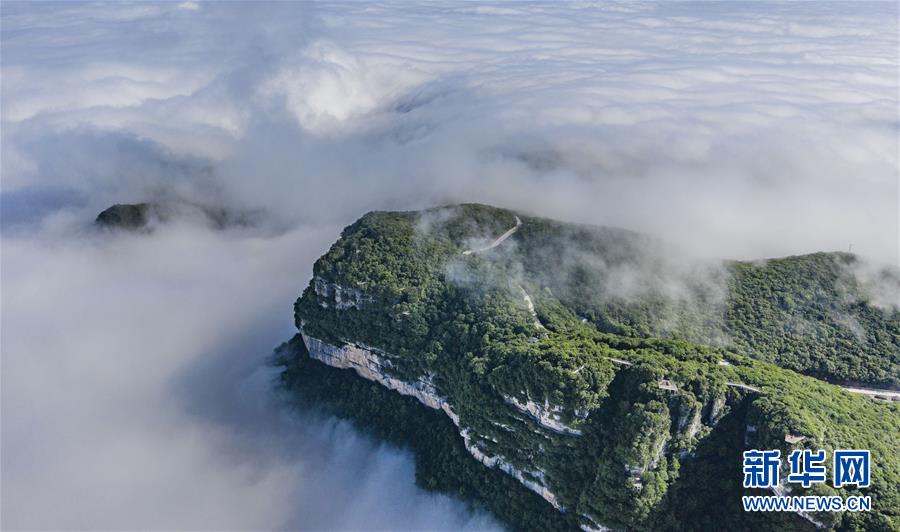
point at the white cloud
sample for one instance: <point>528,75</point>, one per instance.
<point>134,393</point>
<point>632,100</point>
<point>327,87</point>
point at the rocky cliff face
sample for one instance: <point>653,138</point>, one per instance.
<point>375,365</point>
<point>340,297</point>
<point>546,415</point>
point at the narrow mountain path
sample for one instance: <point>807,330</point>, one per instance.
<point>530,303</point>
<point>875,393</point>
<point>890,394</point>
<point>496,242</point>
<point>743,386</point>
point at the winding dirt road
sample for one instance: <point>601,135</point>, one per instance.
<point>496,242</point>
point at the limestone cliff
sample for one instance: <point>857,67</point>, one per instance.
<point>375,365</point>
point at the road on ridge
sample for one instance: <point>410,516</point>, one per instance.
<point>496,242</point>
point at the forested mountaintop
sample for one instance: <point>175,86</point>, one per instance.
<point>809,313</point>
<point>144,216</point>
<point>598,368</point>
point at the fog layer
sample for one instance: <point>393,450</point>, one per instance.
<point>135,391</point>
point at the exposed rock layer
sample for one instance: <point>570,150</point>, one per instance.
<point>374,365</point>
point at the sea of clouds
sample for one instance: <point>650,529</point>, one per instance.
<point>135,391</point>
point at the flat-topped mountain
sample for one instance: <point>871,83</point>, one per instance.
<point>146,215</point>
<point>571,376</point>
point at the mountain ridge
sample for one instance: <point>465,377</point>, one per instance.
<point>597,422</point>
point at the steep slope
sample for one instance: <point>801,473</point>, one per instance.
<point>812,314</point>
<point>809,313</point>
<point>599,424</point>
